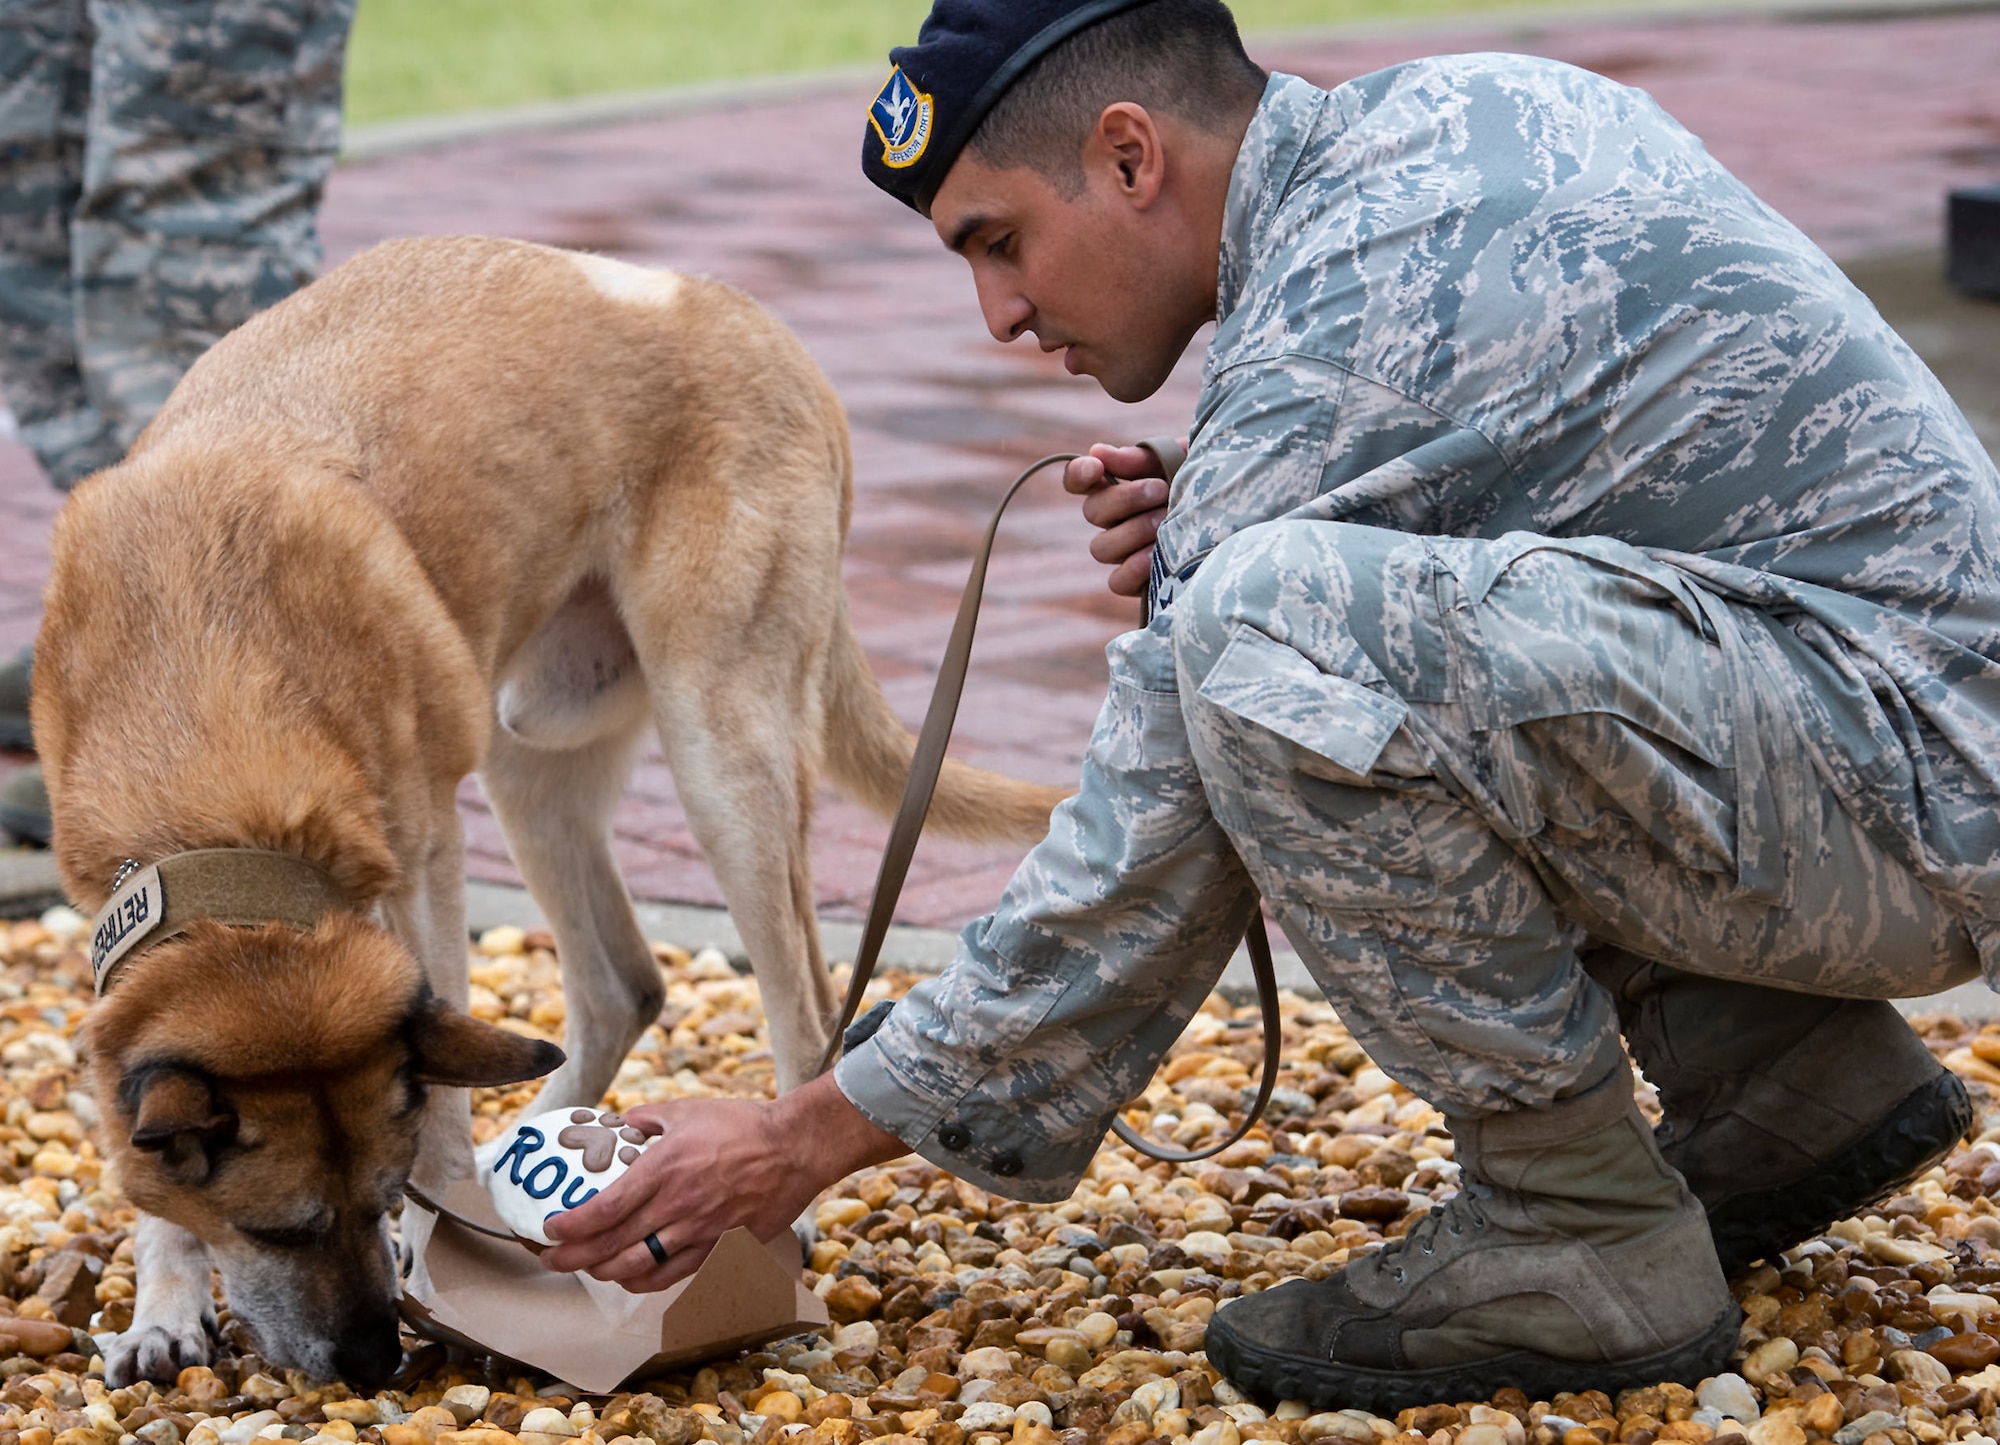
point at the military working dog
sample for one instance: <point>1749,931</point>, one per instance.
<point>463,505</point>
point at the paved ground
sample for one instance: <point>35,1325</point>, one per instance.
<point>1853,125</point>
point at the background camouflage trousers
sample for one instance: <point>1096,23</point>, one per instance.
<point>161,162</point>
<point>1451,765</point>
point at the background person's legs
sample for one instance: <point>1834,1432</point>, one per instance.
<point>44,97</point>
<point>16,673</point>
<point>161,168</point>
<point>211,133</point>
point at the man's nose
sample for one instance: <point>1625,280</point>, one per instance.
<point>1007,312</point>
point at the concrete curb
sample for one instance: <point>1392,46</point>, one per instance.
<point>396,137</point>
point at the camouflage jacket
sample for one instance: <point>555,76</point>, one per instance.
<point>1469,296</point>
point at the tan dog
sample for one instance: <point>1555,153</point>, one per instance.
<point>463,505</point>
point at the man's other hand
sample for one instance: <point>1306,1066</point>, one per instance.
<point>717,1163</point>
<point>1125,495</point>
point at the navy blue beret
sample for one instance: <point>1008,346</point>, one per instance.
<point>966,55</point>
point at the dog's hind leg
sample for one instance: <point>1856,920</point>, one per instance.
<point>743,757</point>
<point>744,762</point>
<point>572,711</point>
<point>173,1314</point>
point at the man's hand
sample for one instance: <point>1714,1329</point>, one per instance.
<point>1123,493</point>
<point>718,1163</point>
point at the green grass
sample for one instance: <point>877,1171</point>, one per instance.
<point>433,57</point>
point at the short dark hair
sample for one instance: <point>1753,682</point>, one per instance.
<point>1182,58</point>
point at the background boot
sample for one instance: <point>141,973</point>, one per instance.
<point>14,729</point>
<point>1572,1258</point>
<point>24,808</point>
<point>1784,1111</point>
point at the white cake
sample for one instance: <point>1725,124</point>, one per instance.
<point>556,1161</point>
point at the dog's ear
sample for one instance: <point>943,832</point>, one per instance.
<point>457,1050</point>
<point>176,1115</point>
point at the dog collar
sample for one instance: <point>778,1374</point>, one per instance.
<point>244,887</point>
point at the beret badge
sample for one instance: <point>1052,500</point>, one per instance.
<point>902,116</point>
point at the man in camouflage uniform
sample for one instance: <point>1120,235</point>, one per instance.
<point>1577,613</point>
<point>161,165</point>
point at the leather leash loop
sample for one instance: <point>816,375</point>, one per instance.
<point>925,765</point>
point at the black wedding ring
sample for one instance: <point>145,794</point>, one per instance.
<point>656,1249</point>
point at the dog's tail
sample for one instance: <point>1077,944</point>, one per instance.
<point>868,752</point>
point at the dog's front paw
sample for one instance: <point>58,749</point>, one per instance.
<point>156,1353</point>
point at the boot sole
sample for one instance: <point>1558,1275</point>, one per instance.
<point>1328,1385</point>
<point>1918,1132</point>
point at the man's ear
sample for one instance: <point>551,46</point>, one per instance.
<point>176,1115</point>
<point>1129,137</point>
<point>458,1051</point>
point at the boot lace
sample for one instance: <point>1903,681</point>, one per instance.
<point>1457,1217</point>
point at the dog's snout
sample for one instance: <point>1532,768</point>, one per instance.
<point>367,1356</point>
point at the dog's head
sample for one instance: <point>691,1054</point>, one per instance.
<point>264,1089</point>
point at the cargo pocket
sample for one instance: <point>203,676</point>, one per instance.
<point>1302,807</point>
<point>1616,708</point>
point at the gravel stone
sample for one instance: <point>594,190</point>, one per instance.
<point>1859,1429</point>
<point>1730,1396</point>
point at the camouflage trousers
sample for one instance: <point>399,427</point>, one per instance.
<point>1453,766</point>
<point>161,163</point>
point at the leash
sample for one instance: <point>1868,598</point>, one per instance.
<point>908,825</point>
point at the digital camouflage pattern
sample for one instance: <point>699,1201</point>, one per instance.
<point>160,167</point>
<point>1621,577</point>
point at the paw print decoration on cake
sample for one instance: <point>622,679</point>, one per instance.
<point>556,1161</point>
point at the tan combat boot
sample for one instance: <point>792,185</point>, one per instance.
<point>1572,1258</point>
<point>1784,1111</point>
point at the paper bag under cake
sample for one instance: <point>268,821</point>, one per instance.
<point>493,1294</point>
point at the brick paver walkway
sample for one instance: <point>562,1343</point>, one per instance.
<point>1853,127</point>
